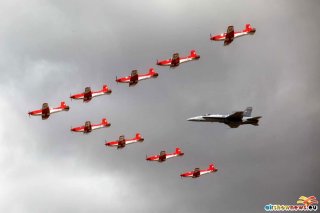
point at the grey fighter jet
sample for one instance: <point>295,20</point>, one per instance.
<point>233,120</point>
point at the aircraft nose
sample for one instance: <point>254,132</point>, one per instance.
<point>192,119</point>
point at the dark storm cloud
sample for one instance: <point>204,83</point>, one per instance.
<point>50,49</point>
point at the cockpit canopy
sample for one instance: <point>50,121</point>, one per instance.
<point>45,105</point>
<point>87,124</point>
<point>87,90</point>
<point>134,72</point>
<point>175,56</point>
<point>121,138</point>
<point>162,153</point>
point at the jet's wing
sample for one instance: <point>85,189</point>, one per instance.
<point>236,115</point>
<point>233,125</point>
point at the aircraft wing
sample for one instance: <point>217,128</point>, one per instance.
<point>235,115</point>
<point>233,125</point>
<point>229,35</point>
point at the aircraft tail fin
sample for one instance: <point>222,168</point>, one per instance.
<point>104,122</point>
<point>193,53</point>
<point>138,136</point>
<point>247,112</point>
<point>106,89</point>
<point>250,29</point>
<point>212,167</point>
<point>151,71</point>
<point>178,151</point>
<point>64,106</point>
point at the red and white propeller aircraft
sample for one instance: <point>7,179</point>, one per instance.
<point>231,34</point>
<point>46,110</point>
<point>87,95</point>
<point>176,59</point>
<point>197,172</point>
<point>88,127</point>
<point>135,77</point>
<point>163,156</point>
<point>122,142</point>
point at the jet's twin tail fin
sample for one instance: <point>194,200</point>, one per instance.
<point>247,112</point>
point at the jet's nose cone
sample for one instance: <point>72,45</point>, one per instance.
<point>191,119</point>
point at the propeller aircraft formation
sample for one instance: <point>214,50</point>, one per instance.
<point>233,120</point>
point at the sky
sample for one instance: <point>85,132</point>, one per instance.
<point>51,49</point>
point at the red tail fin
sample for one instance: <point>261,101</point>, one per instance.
<point>138,136</point>
<point>212,168</point>
<point>151,71</point>
<point>193,53</point>
<point>178,151</point>
<point>63,104</point>
<point>250,29</point>
<point>104,121</point>
<point>106,89</point>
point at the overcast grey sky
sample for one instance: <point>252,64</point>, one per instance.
<point>49,49</point>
